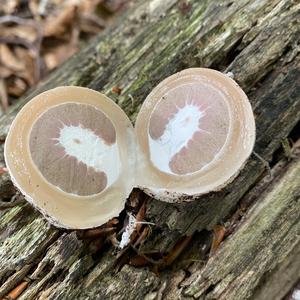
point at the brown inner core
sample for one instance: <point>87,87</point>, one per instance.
<point>211,135</point>
<point>65,171</point>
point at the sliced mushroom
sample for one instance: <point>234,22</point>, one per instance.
<point>70,152</point>
<point>74,155</point>
<point>195,131</point>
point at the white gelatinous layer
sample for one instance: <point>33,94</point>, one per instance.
<point>178,132</point>
<point>90,149</point>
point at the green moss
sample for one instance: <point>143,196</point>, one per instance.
<point>8,216</point>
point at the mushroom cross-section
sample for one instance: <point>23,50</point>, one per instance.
<point>195,130</point>
<point>75,156</point>
<point>70,152</point>
<point>74,147</point>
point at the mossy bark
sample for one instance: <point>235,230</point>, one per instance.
<point>256,40</point>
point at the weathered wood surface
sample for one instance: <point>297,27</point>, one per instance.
<point>256,40</point>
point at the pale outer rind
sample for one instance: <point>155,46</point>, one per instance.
<point>217,174</point>
<point>59,208</point>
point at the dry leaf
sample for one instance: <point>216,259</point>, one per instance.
<point>114,5</point>
<point>34,5</point>
<point>27,33</point>
<point>28,60</point>
<point>16,86</point>
<point>58,25</point>
<point>9,6</point>
<point>5,72</point>
<point>55,56</point>
<point>53,29</point>
<point>88,6</point>
<point>90,23</point>
<point>9,59</point>
<point>3,95</point>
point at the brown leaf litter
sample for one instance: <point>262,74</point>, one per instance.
<point>38,36</point>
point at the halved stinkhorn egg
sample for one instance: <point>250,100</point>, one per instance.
<point>70,151</point>
<point>195,131</point>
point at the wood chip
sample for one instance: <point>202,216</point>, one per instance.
<point>116,90</point>
<point>17,291</point>
<point>219,233</point>
<point>138,261</point>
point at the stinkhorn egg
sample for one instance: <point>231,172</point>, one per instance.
<point>195,131</point>
<point>70,151</point>
<point>75,156</point>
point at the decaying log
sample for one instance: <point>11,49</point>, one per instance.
<point>256,40</point>
<point>267,237</point>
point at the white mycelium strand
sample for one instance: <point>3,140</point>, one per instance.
<point>90,149</point>
<point>178,132</point>
<point>129,229</point>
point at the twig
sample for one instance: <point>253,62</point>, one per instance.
<point>142,236</point>
<point>149,259</point>
<point>179,247</point>
<point>267,165</point>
